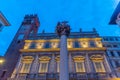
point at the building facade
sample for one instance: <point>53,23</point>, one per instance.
<point>36,56</point>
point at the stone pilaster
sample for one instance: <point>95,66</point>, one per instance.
<point>17,68</point>
<point>70,63</point>
<point>106,64</point>
<point>52,64</point>
<point>88,68</point>
<point>34,66</point>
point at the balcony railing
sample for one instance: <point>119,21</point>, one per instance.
<point>55,76</point>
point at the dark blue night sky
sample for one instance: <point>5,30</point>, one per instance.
<point>85,14</point>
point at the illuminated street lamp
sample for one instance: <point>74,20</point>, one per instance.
<point>2,60</point>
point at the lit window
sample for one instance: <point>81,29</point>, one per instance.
<point>25,67</point>
<point>79,63</point>
<point>99,67</point>
<point>69,44</point>
<point>43,67</point>
<point>79,66</point>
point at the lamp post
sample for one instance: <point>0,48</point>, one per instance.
<point>63,31</point>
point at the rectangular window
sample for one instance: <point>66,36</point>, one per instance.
<point>32,46</point>
<point>116,39</point>
<point>115,46</point>
<point>76,43</point>
<point>25,68</point>
<point>92,44</point>
<point>111,39</point>
<point>99,67</point>
<point>43,67</point>
<point>109,46</point>
<point>117,64</point>
<point>47,45</point>
<point>79,66</point>
<point>112,54</point>
<point>118,53</point>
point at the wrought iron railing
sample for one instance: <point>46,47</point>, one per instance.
<point>55,76</point>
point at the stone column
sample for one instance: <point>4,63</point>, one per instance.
<point>63,30</point>
<point>34,67</point>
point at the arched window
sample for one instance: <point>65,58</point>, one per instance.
<point>98,63</point>
<point>26,64</point>
<point>79,63</point>
<point>43,66</point>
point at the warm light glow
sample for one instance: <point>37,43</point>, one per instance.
<point>69,44</point>
<point>27,45</point>
<point>79,58</point>
<point>98,43</point>
<point>84,44</point>
<point>1,61</point>
<point>44,58</point>
<point>39,45</point>
<point>54,44</point>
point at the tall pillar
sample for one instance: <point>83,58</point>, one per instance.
<point>63,30</point>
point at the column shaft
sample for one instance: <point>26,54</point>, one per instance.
<point>64,74</point>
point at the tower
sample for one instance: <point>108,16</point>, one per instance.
<point>28,27</point>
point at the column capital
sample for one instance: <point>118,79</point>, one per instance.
<point>63,28</point>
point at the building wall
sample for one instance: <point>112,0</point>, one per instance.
<point>81,50</point>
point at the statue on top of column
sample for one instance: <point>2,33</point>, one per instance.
<point>63,28</point>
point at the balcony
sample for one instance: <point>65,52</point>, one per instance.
<point>55,76</point>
